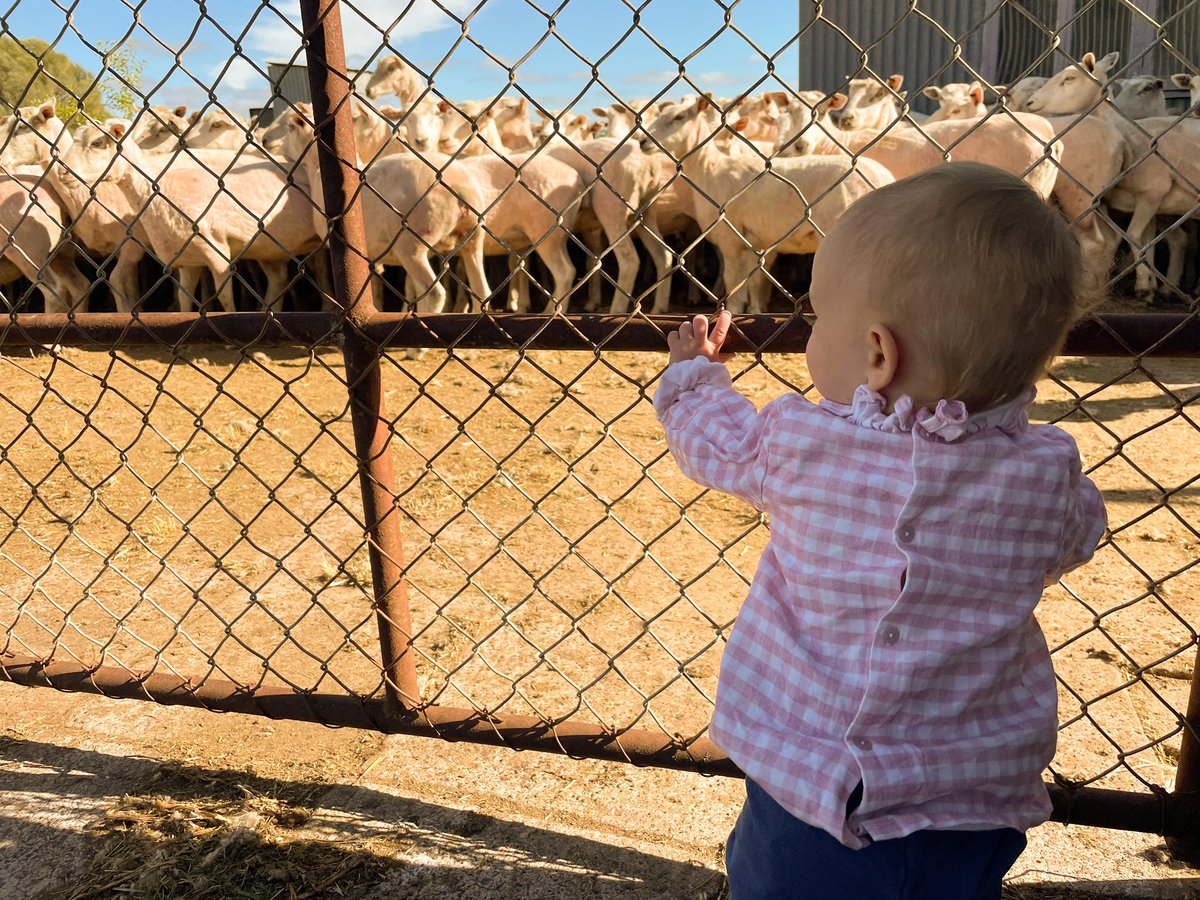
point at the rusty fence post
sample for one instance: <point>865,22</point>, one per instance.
<point>1187,773</point>
<point>330,84</point>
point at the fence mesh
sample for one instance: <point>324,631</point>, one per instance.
<point>184,507</point>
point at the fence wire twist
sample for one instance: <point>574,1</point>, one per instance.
<point>202,507</point>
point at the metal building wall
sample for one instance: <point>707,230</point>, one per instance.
<point>892,39</point>
<point>1003,40</point>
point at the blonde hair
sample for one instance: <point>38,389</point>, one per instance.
<point>974,272</point>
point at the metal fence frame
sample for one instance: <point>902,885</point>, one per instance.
<point>361,332</point>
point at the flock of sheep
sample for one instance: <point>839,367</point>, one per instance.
<point>765,175</point>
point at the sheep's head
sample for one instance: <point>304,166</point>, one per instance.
<point>1076,89</point>
<point>391,76</point>
<point>868,101</point>
<point>679,127</point>
<point>799,122</point>
<point>104,152</point>
<point>33,135</point>
<point>1192,84</point>
<point>298,137</point>
<point>956,101</point>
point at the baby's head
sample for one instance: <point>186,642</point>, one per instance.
<point>975,278</point>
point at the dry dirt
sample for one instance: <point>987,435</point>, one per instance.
<point>197,513</point>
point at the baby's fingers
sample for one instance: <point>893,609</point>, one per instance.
<point>720,329</point>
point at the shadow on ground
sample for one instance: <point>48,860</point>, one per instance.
<point>82,823</point>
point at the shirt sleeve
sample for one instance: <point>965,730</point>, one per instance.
<point>1086,520</point>
<point>716,435</point>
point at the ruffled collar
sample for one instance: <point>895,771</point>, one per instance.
<point>948,422</point>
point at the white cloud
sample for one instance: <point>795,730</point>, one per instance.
<point>366,25</point>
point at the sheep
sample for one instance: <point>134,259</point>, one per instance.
<point>510,117</point>
<point>753,213</point>
<point>617,119</point>
<point>389,129</point>
<point>32,135</point>
<point>1139,98</point>
<point>758,113</point>
<point>529,203</point>
<point>193,222</point>
<point>956,101</point>
<point>871,104</point>
<point>624,180</point>
<point>31,243</point>
<point>409,211</point>
<point>1023,144</point>
<point>1016,96</point>
<point>1159,166</point>
<point>219,129</point>
<point>1192,84</point>
<point>575,129</point>
<point>270,136</point>
<point>157,129</point>
<point>480,137</point>
<point>393,75</point>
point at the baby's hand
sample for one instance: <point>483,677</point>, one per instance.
<point>694,339</point>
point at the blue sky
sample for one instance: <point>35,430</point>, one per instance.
<point>173,40</point>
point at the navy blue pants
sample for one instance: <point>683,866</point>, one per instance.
<point>772,854</point>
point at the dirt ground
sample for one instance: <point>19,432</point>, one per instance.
<point>197,512</point>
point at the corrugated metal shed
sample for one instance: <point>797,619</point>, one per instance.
<point>940,41</point>
<point>289,84</point>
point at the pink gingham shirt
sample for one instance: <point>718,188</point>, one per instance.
<point>888,635</point>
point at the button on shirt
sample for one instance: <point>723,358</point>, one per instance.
<point>888,636</point>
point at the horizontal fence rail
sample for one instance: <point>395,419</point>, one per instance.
<point>339,411</point>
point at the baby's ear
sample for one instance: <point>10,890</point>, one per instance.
<point>883,357</point>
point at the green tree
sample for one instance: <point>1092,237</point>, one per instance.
<point>30,71</point>
<point>122,81</point>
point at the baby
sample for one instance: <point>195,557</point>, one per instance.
<point>887,690</point>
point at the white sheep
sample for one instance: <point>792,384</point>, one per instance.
<point>956,101</point>
<point>1021,143</point>
<point>194,220</point>
<point>752,213</point>
<point>393,75</point>
<point>1140,97</point>
<point>409,211</point>
<point>1160,172</point>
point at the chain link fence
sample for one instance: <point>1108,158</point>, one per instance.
<point>301,415</point>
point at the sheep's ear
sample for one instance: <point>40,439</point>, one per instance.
<point>836,101</point>
<point>976,92</point>
<point>740,124</point>
<point>579,121</point>
<point>1115,88</point>
<point>894,81</point>
<point>1158,84</point>
<point>523,106</point>
<point>180,111</point>
<point>781,98</point>
<point>625,109</point>
<point>703,103</point>
<point>1182,80</point>
<point>933,93</point>
<point>117,130</point>
<point>599,112</point>
<point>297,119</point>
<point>389,62</point>
<point>443,105</point>
<point>194,118</point>
<point>1108,62</point>
<point>48,109</point>
<point>594,128</point>
<point>1088,61</point>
